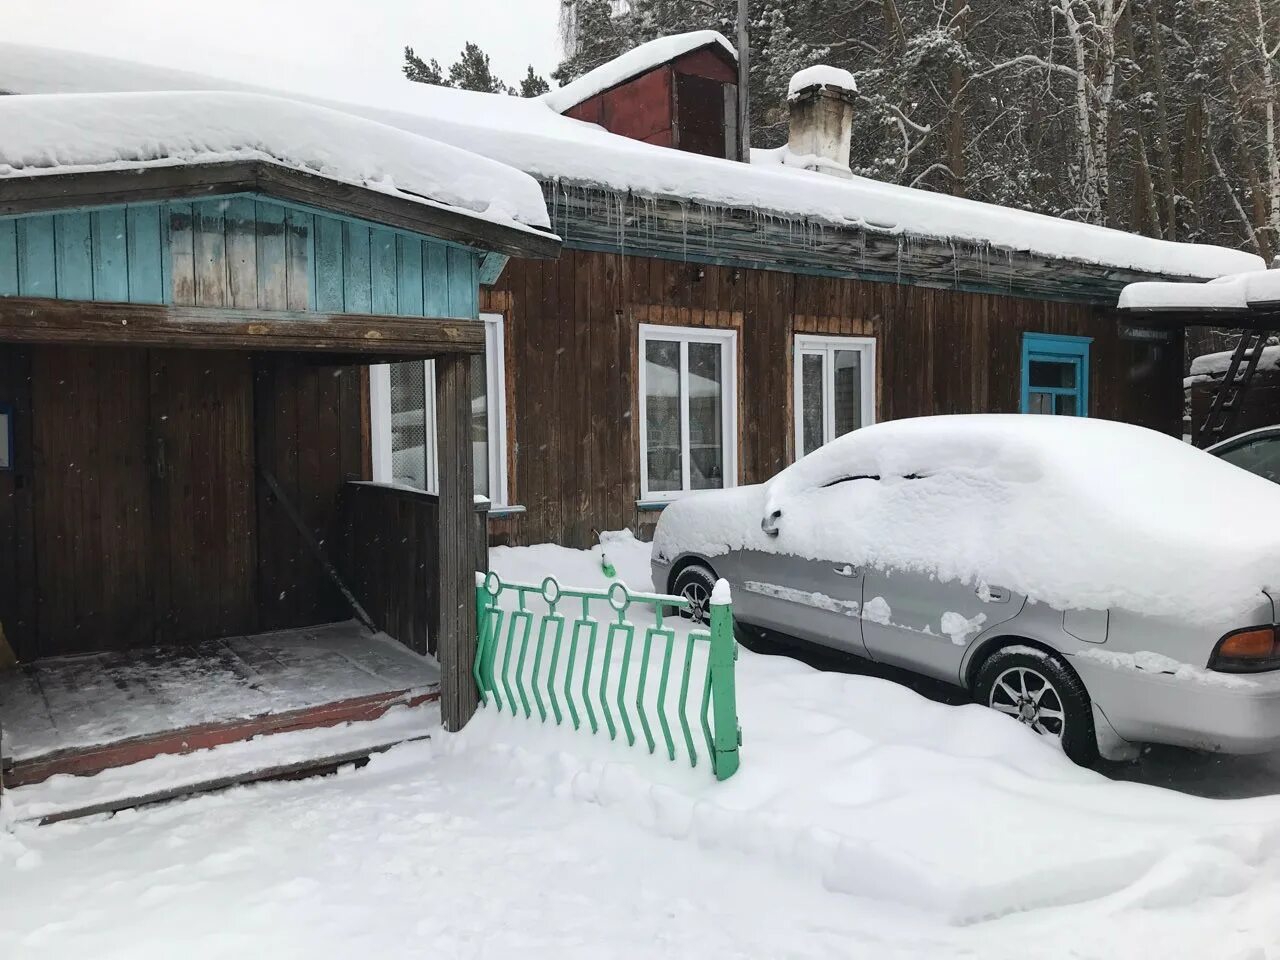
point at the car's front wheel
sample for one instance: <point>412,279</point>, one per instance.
<point>1038,689</point>
<point>695,583</point>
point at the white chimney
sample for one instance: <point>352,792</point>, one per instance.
<point>821,102</point>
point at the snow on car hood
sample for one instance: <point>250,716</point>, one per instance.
<point>1077,513</point>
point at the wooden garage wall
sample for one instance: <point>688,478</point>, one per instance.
<point>572,338</point>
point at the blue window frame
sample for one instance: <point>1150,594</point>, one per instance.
<point>1055,374</point>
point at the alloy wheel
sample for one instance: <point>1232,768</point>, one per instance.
<point>1028,695</point>
<point>698,596</point>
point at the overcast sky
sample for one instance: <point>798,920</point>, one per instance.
<point>324,46</point>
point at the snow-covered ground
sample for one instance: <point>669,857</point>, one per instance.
<point>865,821</point>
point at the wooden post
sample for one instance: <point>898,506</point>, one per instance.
<point>482,536</point>
<point>456,646</point>
<point>744,81</point>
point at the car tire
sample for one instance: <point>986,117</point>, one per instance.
<point>695,583</point>
<point>1024,683</point>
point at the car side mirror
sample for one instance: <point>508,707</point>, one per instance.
<point>770,523</point>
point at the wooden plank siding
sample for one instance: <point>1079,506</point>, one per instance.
<point>135,513</point>
<point>239,252</point>
<point>571,354</point>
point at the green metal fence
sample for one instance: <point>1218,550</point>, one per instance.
<point>556,658</point>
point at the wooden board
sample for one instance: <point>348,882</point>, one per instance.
<point>204,523</point>
<point>90,477</point>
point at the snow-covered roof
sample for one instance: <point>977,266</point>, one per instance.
<point>1216,364</point>
<point>529,135</point>
<point>74,133</point>
<point>1074,512</point>
<point>1238,293</point>
<point>639,60</point>
<point>821,76</point>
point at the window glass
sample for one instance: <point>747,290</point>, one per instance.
<point>1064,405</point>
<point>409,424</point>
<point>410,409</point>
<point>480,422</point>
<point>811,401</point>
<point>1052,373</point>
<point>706,417</point>
<point>847,398</point>
<point>1260,456</point>
<point>1040,403</point>
<point>662,414</point>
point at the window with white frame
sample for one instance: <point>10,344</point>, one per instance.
<point>404,420</point>
<point>688,410</point>
<point>835,388</point>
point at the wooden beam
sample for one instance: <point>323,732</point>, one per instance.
<point>103,188</point>
<point>35,320</point>
<point>456,646</point>
<point>97,188</point>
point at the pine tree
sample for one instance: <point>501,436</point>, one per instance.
<point>472,72</point>
<point>533,85</point>
<point>421,71</point>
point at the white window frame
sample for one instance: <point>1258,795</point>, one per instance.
<point>728,343</point>
<point>806,343</point>
<point>496,383</point>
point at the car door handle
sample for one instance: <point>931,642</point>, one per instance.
<point>845,571</point>
<point>993,594</point>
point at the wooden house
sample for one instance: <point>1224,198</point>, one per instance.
<point>185,339</point>
<point>709,319</point>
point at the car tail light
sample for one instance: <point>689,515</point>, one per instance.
<point>1247,651</point>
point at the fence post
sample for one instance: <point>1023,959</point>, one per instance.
<point>483,604</point>
<point>724,698</point>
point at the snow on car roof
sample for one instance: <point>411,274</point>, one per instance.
<point>73,133</point>
<point>1073,512</point>
<point>637,60</point>
<point>529,135</point>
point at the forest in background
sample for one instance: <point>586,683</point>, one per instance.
<point>1155,116</point>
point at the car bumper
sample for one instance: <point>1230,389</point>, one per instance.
<point>1227,713</point>
<point>661,570</point>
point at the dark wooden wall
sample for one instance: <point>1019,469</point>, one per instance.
<point>135,514</point>
<point>572,337</point>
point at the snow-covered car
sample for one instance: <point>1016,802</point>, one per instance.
<point>1104,584</point>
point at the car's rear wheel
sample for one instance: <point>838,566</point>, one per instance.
<point>1040,690</point>
<point>695,583</point>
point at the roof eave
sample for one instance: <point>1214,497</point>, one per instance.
<point>60,191</point>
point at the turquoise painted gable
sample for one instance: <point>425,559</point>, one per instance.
<point>238,251</point>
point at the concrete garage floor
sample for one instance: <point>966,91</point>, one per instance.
<point>1188,771</point>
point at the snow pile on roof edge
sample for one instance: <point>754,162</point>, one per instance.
<point>1076,513</point>
<point>1216,364</point>
<point>71,133</point>
<point>1234,292</point>
<point>633,63</point>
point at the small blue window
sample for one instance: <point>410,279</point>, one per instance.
<point>1055,374</point>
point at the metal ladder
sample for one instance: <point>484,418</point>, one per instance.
<point>1231,389</point>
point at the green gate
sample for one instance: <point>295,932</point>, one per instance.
<point>565,663</point>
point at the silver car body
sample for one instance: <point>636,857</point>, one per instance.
<point>831,574</point>
<point>944,630</point>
